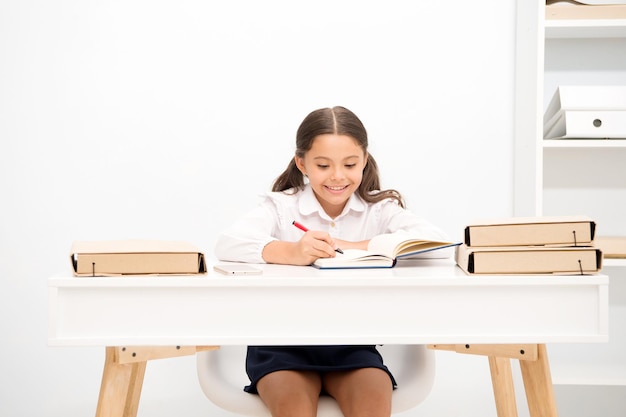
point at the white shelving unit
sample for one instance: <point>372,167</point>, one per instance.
<point>560,177</point>
<point>584,143</point>
<point>585,29</point>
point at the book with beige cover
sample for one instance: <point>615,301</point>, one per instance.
<point>612,247</point>
<point>532,231</point>
<point>136,257</point>
<point>571,9</point>
<point>529,260</point>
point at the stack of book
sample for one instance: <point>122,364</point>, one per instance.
<point>530,245</point>
<point>586,112</point>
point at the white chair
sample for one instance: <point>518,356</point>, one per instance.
<point>222,377</point>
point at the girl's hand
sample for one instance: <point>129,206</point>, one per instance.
<point>312,245</point>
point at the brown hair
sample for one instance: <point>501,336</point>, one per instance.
<point>338,121</point>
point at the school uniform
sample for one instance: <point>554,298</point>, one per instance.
<point>272,220</point>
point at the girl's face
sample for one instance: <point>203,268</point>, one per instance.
<point>334,166</point>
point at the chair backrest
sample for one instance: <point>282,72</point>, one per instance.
<point>222,377</point>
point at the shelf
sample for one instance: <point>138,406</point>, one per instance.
<point>584,143</point>
<point>577,28</point>
<point>613,262</point>
<point>592,363</point>
<point>575,45</point>
<point>590,400</point>
<point>596,363</point>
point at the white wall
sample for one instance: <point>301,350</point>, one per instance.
<point>165,119</point>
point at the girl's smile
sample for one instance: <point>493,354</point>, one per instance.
<point>336,189</point>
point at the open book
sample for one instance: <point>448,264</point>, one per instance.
<point>382,252</point>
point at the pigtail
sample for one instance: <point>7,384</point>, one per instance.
<point>290,178</point>
<point>369,189</point>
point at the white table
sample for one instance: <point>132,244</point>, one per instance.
<point>417,302</point>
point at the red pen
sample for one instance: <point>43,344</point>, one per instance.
<point>304,229</point>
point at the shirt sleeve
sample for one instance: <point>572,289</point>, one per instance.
<point>245,239</point>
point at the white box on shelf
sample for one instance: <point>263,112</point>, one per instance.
<point>587,124</point>
<point>585,97</point>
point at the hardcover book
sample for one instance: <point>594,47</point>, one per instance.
<point>136,257</point>
<point>612,246</point>
<point>535,231</point>
<point>529,260</point>
<point>382,252</point>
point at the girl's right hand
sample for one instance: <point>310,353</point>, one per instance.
<point>312,245</point>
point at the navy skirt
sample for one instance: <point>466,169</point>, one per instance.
<point>262,360</point>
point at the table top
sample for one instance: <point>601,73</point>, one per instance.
<point>418,301</point>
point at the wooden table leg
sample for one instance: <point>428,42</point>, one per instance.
<point>121,386</point>
<point>122,378</point>
<point>503,389</point>
<point>533,359</point>
<point>538,385</point>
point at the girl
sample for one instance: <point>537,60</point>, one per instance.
<point>332,186</point>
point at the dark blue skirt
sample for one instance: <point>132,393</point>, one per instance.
<point>262,360</point>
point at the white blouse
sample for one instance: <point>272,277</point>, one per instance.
<point>272,220</point>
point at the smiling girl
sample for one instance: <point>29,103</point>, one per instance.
<point>332,186</point>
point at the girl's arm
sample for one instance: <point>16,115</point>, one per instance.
<point>255,238</point>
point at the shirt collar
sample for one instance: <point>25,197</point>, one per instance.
<point>308,204</point>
